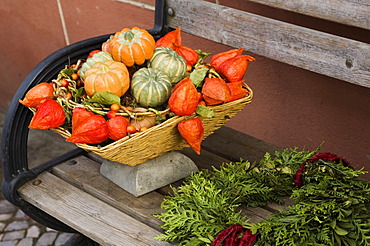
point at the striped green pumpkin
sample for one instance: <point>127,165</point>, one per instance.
<point>150,87</point>
<point>97,57</point>
<point>168,61</point>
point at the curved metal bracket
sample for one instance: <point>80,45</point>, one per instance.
<point>160,27</point>
<point>15,130</point>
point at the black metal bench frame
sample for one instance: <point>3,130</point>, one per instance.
<point>15,131</point>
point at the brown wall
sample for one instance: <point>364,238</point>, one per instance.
<point>291,107</point>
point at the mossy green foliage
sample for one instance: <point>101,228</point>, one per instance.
<point>331,208</point>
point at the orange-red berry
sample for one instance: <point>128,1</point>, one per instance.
<point>131,129</point>
<point>114,107</point>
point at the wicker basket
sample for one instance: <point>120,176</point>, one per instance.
<point>161,138</point>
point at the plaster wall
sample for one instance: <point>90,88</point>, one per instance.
<point>291,107</point>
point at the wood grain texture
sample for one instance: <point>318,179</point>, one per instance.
<point>319,52</point>
<point>76,193</point>
<point>206,159</point>
<point>85,175</point>
<point>350,12</point>
<point>92,217</point>
<point>233,145</point>
<point>256,214</point>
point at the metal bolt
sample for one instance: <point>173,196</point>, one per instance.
<point>36,182</point>
<point>170,12</point>
<point>71,162</point>
<point>349,63</point>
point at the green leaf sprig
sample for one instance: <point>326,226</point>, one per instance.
<point>331,208</point>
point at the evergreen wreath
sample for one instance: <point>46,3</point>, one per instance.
<point>332,203</point>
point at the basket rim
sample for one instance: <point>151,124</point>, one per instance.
<point>173,120</point>
<point>126,112</point>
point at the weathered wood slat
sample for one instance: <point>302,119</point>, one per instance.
<point>85,174</point>
<point>323,53</point>
<point>76,193</point>
<point>256,214</point>
<point>233,145</point>
<point>92,217</point>
<point>227,145</point>
<point>349,12</point>
<point>206,159</point>
<point>277,207</point>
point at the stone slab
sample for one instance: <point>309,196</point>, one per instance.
<point>151,175</point>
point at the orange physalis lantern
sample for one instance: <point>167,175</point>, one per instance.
<point>192,131</point>
<point>49,114</point>
<point>88,128</point>
<point>117,127</point>
<point>38,94</point>
<point>218,59</point>
<point>235,68</point>
<point>170,39</point>
<point>236,90</point>
<point>215,91</point>
<point>184,98</point>
<point>189,55</point>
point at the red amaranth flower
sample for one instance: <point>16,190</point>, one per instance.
<point>247,239</point>
<point>298,180</point>
<point>329,157</point>
<point>235,235</point>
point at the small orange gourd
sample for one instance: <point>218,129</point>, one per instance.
<point>111,76</point>
<point>132,46</point>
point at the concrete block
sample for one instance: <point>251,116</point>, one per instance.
<point>151,175</point>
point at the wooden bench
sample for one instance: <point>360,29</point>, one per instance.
<point>77,194</point>
<point>69,193</point>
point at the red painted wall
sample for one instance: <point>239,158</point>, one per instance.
<point>291,107</point>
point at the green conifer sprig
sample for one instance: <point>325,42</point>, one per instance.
<point>331,208</point>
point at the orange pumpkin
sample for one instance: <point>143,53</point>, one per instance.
<point>111,76</point>
<point>132,46</point>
